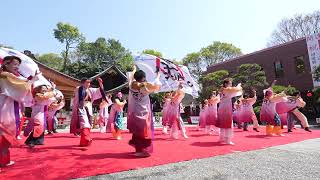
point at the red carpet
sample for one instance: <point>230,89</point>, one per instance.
<point>61,158</point>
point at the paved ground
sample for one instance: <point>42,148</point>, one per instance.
<point>292,161</point>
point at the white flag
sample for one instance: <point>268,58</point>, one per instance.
<point>27,67</point>
<point>170,74</point>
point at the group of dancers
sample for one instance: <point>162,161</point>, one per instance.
<point>217,111</point>
<point>16,92</point>
<point>276,111</point>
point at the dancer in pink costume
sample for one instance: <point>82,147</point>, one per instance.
<point>236,113</point>
<point>224,122</point>
<point>167,101</point>
<point>212,113</point>
<point>175,120</point>
<point>289,112</point>
<point>58,104</point>
<point>104,113</point>
<point>269,114</point>
<point>140,121</point>
<point>14,90</point>
<point>203,115</point>
<point>247,114</point>
<point>82,109</point>
<point>115,121</point>
<point>43,97</point>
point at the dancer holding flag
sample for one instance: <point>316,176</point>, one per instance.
<point>175,120</point>
<point>14,90</point>
<point>140,121</point>
<point>227,92</point>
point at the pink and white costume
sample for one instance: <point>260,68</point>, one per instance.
<point>212,112</point>
<point>165,120</point>
<point>203,116</point>
<point>225,119</point>
<point>291,106</point>
<point>57,105</point>
<point>247,114</point>
<point>12,92</point>
<point>175,120</point>
<point>104,114</point>
<point>80,117</point>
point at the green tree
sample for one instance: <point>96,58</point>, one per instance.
<point>152,52</point>
<point>212,81</point>
<point>289,90</point>
<point>251,76</point>
<point>218,52</point>
<point>70,35</point>
<point>194,64</point>
<point>51,60</point>
<point>94,57</point>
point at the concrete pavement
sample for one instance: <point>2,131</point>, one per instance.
<point>296,161</point>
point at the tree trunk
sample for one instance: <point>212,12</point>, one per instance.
<point>66,57</point>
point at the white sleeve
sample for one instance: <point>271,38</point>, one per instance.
<point>95,93</point>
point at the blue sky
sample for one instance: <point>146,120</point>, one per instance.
<point>174,27</point>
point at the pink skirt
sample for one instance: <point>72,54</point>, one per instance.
<point>173,113</point>
<point>202,119</point>
<point>212,116</point>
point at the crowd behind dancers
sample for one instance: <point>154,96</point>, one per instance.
<point>217,115</point>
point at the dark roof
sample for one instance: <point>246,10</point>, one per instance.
<point>113,79</point>
<point>106,71</point>
<point>56,71</point>
<point>259,51</point>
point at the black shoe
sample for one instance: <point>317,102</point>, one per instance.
<point>256,130</point>
<point>245,130</point>
<point>31,145</point>
<point>50,133</point>
<point>289,130</point>
<point>307,129</point>
<point>55,131</point>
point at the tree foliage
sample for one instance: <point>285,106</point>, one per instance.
<point>194,63</point>
<point>152,52</point>
<point>289,90</point>
<point>301,25</point>
<point>251,76</point>
<point>218,52</point>
<point>70,36</point>
<point>94,57</point>
<point>51,60</point>
<point>214,53</point>
<point>212,81</point>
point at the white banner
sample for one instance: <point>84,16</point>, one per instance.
<point>313,44</point>
<point>170,74</point>
<point>27,67</point>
